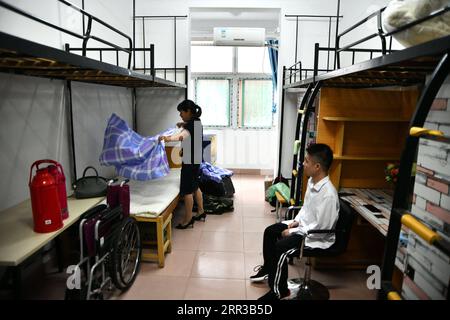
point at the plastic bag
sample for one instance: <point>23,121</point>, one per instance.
<point>282,188</point>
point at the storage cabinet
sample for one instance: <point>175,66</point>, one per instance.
<point>366,128</point>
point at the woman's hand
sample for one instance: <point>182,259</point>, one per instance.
<point>165,138</point>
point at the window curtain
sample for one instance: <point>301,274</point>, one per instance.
<point>273,57</point>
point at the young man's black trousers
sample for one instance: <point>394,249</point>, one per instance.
<point>276,250</point>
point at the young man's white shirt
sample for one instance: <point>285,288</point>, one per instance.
<point>319,211</point>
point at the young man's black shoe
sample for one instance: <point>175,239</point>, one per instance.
<point>261,274</point>
<point>289,295</point>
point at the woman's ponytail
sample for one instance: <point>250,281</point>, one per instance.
<point>198,111</point>
<point>190,105</point>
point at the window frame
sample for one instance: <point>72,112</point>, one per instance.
<point>241,109</point>
<point>230,95</point>
<point>234,78</point>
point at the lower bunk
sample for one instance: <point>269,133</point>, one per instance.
<point>152,204</point>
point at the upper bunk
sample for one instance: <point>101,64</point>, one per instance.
<point>21,56</point>
<point>404,67</point>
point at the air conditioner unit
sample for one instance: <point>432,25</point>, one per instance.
<point>250,37</point>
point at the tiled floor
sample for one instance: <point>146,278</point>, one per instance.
<point>214,259</point>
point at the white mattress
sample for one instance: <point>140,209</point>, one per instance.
<point>151,198</point>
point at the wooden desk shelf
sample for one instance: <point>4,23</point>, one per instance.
<point>366,129</point>
<point>18,241</point>
<point>360,119</point>
<point>366,158</point>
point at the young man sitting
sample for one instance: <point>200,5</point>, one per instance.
<point>319,211</point>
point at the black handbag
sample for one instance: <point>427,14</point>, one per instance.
<point>90,186</point>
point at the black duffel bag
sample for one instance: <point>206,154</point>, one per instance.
<point>218,189</point>
<point>90,186</point>
<point>215,205</point>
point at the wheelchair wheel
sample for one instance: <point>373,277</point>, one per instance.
<point>126,255</point>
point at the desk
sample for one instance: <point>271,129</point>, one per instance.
<point>369,230</point>
<point>18,241</point>
<point>381,199</point>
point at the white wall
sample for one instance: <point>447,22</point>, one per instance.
<point>92,107</point>
<point>246,149</point>
<point>157,109</point>
<point>33,126</point>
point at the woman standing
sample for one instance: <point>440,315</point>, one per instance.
<point>192,150</point>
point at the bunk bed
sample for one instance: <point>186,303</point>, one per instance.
<point>26,57</point>
<point>366,134</point>
<point>29,58</point>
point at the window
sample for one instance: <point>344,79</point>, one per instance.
<point>233,85</point>
<point>256,98</point>
<point>211,59</point>
<point>253,60</point>
<point>213,96</point>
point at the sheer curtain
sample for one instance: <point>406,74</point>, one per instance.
<point>257,103</point>
<point>213,96</point>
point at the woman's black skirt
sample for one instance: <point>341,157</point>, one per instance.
<point>190,178</point>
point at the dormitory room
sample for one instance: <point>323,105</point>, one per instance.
<point>225,150</point>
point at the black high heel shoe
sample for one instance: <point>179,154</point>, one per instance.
<point>187,225</point>
<point>201,217</point>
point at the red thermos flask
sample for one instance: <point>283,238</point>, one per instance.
<point>45,200</point>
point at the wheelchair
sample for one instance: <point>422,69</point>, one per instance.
<point>110,248</point>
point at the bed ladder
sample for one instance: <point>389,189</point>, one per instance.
<point>301,132</point>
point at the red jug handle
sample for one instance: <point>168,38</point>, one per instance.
<point>38,162</point>
<point>61,169</point>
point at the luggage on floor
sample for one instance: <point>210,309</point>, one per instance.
<point>216,181</point>
<point>216,205</point>
<point>224,188</point>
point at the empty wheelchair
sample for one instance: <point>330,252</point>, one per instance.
<point>110,248</point>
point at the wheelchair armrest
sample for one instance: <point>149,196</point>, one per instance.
<point>290,208</point>
<point>320,231</point>
<point>112,214</point>
<point>93,211</point>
